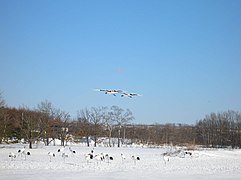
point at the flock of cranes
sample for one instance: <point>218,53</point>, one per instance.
<point>121,92</point>
<point>65,153</point>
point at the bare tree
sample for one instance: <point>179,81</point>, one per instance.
<point>51,116</point>
<point>109,121</point>
<point>84,120</point>
<point>96,119</point>
<point>4,124</point>
<point>220,129</point>
<point>3,119</point>
<point>2,101</point>
<point>121,118</point>
<point>31,125</point>
<point>65,117</point>
<point>9,124</point>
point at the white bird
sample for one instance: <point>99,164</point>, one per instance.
<point>61,150</point>
<point>26,153</point>
<point>51,154</point>
<point>12,155</point>
<point>64,155</point>
<point>89,156</point>
<point>135,158</point>
<point>123,157</point>
<point>108,158</point>
<point>72,151</point>
<point>187,153</point>
<point>109,91</point>
<point>166,157</point>
<point>21,151</point>
<point>130,95</point>
<point>98,158</point>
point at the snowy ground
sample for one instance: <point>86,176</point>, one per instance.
<point>204,164</point>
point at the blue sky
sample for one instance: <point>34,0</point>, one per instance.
<point>183,56</point>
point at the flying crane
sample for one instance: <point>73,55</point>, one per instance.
<point>130,95</point>
<point>121,92</point>
<point>111,91</point>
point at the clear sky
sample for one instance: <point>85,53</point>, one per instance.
<point>183,56</point>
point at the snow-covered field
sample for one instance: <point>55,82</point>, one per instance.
<point>203,164</point>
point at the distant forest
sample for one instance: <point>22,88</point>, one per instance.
<point>46,123</point>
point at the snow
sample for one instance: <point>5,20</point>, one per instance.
<point>203,164</point>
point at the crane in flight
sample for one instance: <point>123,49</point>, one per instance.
<point>121,92</point>
<point>130,95</point>
<point>109,91</point>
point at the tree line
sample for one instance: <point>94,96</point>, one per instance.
<point>220,129</point>
<point>47,123</point>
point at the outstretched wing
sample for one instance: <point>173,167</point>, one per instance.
<point>105,90</point>
<point>109,91</point>
<point>135,94</point>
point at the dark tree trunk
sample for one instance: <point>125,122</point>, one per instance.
<point>87,140</point>
<point>95,140</point>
